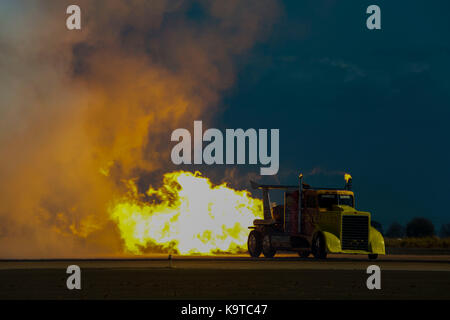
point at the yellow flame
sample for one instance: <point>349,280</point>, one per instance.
<point>191,216</point>
<point>347,177</point>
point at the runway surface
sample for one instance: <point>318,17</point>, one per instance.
<point>237,262</point>
<point>230,277</point>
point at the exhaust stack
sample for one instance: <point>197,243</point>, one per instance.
<point>348,182</point>
<point>300,200</point>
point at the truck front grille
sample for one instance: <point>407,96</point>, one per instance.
<point>355,233</point>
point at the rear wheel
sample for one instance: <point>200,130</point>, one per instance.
<point>373,256</point>
<point>318,247</point>
<point>254,244</point>
<point>304,254</point>
<point>267,248</point>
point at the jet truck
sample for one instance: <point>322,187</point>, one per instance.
<point>314,221</point>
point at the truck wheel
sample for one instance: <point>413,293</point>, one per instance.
<point>318,247</point>
<point>254,244</point>
<point>373,256</point>
<point>304,254</point>
<point>267,248</point>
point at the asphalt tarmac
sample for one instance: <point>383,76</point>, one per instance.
<point>229,277</point>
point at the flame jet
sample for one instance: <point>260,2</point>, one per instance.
<point>191,217</point>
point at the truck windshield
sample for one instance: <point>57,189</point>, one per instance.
<point>346,199</point>
<point>328,200</point>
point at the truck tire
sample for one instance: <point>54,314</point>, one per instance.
<point>373,256</point>
<point>267,248</point>
<point>304,254</point>
<point>318,248</point>
<point>254,244</point>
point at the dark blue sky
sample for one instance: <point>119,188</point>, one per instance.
<point>375,104</point>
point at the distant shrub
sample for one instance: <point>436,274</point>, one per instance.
<point>419,228</point>
<point>396,230</point>
<point>445,231</point>
<point>428,242</point>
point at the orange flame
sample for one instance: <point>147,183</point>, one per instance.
<point>192,216</point>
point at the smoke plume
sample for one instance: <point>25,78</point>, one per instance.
<point>81,111</point>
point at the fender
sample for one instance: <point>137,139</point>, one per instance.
<point>333,244</point>
<point>376,241</point>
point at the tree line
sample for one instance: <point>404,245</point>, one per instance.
<point>416,228</point>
